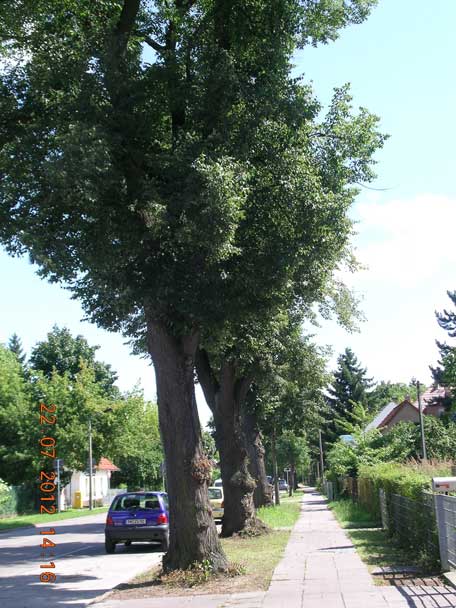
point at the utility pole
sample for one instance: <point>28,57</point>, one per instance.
<point>322,464</point>
<point>420,409</point>
<point>90,467</point>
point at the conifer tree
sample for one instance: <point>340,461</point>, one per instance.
<point>350,386</point>
<point>15,346</point>
<point>445,371</point>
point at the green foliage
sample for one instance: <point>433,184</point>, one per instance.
<point>63,353</point>
<point>16,419</point>
<point>293,450</point>
<point>349,387</point>
<point>445,372</point>
<point>125,181</point>
<point>135,443</point>
<point>345,458</point>
<point>15,346</point>
<point>385,392</point>
<point>354,421</point>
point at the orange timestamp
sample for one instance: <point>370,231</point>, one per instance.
<point>48,444</point>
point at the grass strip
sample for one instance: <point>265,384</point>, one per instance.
<point>284,515</point>
<point>351,515</point>
<point>21,521</point>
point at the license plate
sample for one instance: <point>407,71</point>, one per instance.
<point>133,522</point>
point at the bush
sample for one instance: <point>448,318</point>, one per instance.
<point>409,508</point>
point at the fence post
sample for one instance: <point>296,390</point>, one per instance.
<point>383,509</point>
<point>441,528</point>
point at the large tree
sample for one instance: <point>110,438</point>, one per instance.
<point>178,190</point>
<point>63,353</point>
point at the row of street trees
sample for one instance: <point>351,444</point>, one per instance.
<point>192,197</point>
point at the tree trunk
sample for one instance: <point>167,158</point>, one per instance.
<point>262,495</point>
<point>193,535</point>
<point>224,398</point>
<point>275,468</point>
<point>292,480</point>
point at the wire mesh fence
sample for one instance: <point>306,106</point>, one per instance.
<point>412,523</point>
<point>445,508</point>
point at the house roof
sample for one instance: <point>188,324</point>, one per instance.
<point>431,395</point>
<point>379,418</point>
<point>106,465</point>
<point>387,413</point>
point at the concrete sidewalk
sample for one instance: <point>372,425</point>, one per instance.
<point>320,569</point>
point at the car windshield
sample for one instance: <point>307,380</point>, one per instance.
<point>130,502</point>
<point>215,493</point>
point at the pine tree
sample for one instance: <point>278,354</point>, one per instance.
<point>445,372</point>
<point>15,346</point>
<point>350,386</point>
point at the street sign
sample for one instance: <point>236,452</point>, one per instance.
<point>57,463</point>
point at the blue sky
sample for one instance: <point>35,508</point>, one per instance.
<point>400,64</point>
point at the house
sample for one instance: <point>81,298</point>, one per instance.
<point>76,493</point>
<point>432,400</point>
<point>391,414</point>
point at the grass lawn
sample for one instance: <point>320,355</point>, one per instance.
<point>351,515</point>
<point>9,523</point>
<point>284,515</point>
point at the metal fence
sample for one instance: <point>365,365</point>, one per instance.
<point>412,523</point>
<point>445,509</point>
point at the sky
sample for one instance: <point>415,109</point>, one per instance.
<point>400,64</point>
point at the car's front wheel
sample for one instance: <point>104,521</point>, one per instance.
<point>110,545</point>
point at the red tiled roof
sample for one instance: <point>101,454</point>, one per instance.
<point>106,465</point>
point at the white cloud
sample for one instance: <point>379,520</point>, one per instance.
<point>406,242</point>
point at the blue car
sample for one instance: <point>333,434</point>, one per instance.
<point>137,517</point>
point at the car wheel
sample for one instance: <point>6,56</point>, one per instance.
<point>165,543</point>
<point>110,545</point>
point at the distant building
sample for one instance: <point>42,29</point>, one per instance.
<point>76,493</point>
<point>391,414</point>
<point>433,400</point>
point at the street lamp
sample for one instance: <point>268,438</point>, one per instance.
<point>420,411</point>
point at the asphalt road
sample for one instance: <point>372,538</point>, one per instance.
<point>83,570</point>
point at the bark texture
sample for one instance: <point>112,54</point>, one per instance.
<point>225,397</point>
<point>193,535</point>
<point>262,495</point>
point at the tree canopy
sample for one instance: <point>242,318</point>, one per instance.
<point>170,192</point>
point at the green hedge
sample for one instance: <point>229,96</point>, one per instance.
<point>15,500</point>
<point>410,512</point>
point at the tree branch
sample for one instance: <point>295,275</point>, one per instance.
<point>159,48</point>
<point>125,24</point>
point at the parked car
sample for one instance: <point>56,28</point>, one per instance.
<point>283,486</point>
<point>137,517</point>
<point>216,499</point>
<point>218,483</point>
